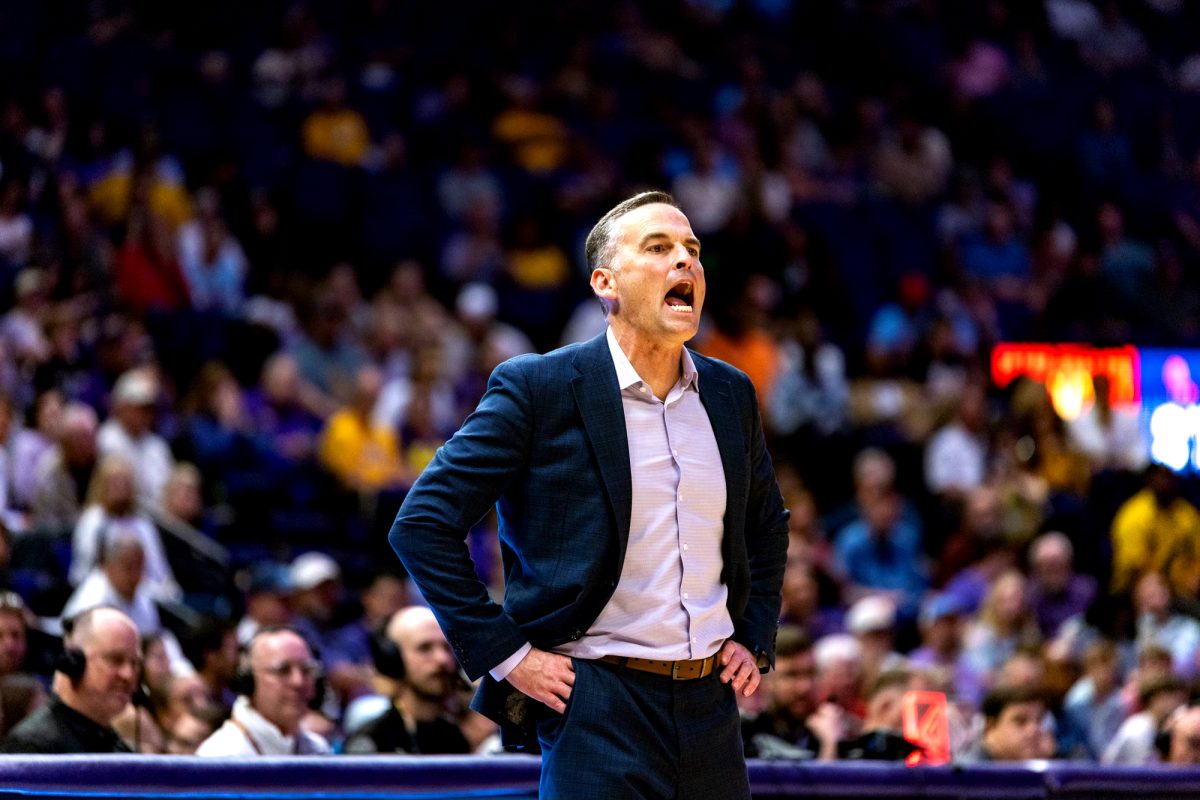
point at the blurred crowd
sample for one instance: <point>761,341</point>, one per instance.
<point>256,265</point>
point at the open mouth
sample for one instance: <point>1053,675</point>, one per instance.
<point>679,297</point>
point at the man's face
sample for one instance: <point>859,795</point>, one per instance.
<point>1016,733</point>
<point>12,642</point>
<point>1185,739</point>
<point>794,684</point>
<point>429,662</point>
<point>655,276</point>
<point>284,678</point>
<point>113,662</point>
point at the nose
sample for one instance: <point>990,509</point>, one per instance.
<point>683,259</point>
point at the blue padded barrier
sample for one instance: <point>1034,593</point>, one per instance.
<point>457,778</point>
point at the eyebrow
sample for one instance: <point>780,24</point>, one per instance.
<point>663,235</point>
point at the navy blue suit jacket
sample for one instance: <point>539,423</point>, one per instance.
<point>547,445</point>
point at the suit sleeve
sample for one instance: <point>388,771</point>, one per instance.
<point>766,545</point>
<point>466,477</point>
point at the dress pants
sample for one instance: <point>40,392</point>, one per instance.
<point>641,736</point>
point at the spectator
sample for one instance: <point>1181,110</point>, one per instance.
<point>212,648</point>
<point>31,443</point>
<point>65,472</point>
<point>268,599</point>
<point>364,456</point>
<point>276,684</point>
<point>872,620</point>
<point>1012,719</point>
<point>14,640</point>
<point>94,681</point>
<point>1157,624</point>
<point>955,458</point>
<point>1056,591</point>
<point>213,263</point>
<point>1133,744</point>
<point>111,512</point>
<point>794,722</point>
<point>188,732</point>
<point>129,432</point>
<point>1183,738</point>
<point>1158,530</point>
<point>881,553</point>
<point>882,737</point>
<point>334,131</point>
<point>1005,625</point>
<point>413,652</point>
<point>118,581</point>
<point>316,582</point>
<point>1094,709</point>
<point>942,652</point>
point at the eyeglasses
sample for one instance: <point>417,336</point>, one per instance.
<point>309,669</point>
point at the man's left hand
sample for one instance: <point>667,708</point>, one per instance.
<point>740,667</point>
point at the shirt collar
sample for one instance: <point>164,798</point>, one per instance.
<point>627,376</point>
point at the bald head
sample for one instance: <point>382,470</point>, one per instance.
<point>1050,560</point>
<point>429,664</point>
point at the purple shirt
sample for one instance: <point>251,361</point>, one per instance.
<point>669,602</point>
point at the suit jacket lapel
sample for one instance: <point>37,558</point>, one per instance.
<point>598,397</point>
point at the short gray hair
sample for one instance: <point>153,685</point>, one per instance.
<point>600,242</point>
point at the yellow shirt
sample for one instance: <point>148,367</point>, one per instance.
<point>1146,537</point>
<point>340,136</point>
<point>363,456</point>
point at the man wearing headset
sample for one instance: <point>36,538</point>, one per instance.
<point>95,679</point>
<point>412,652</point>
<point>275,683</point>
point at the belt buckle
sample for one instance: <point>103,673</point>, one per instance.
<point>675,670</point>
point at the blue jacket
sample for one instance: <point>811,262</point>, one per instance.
<point>547,445</point>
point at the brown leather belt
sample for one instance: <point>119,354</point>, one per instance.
<point>676,670</point>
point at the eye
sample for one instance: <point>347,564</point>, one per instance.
<point>695,251</point>
<point>658,248</point>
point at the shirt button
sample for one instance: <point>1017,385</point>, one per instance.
<point>685,596</point>
<point>693,640</point>
<point>642,389</point>
<point>675,453</point>
<point>685,548</point>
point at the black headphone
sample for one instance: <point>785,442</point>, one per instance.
<point>389,661</point>
<point>72,661</point>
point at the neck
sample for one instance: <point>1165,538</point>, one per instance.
<point>417,708</point>
<point>286,727</point>
<point>658,363</point>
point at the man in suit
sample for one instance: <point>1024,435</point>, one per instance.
<point>643,535</point>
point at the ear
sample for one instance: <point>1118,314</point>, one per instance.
<point>604,284</point>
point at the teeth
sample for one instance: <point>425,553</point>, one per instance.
<point>681,309</point>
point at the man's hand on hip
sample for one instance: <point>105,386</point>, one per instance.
<point>546,677</point>
<point>740,667</point>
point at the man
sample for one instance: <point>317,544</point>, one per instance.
<point>1183,738</point>
<point>1133,744</point>
<point>882,737</point>
<point>1012,725</point>
<point>316,580</point>
<point>212,648</point>
<point>119,580</point>
<point>14,640</point>
<point>418,659</point>
<point>277,683</point>
<point>129,432</point>
<point>643,534</point>
<point>795,723</point>
<point>95,681</point>
<point>1056,591</point>
<point>65,471</point>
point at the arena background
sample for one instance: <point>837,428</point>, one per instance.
<point>928,227</point>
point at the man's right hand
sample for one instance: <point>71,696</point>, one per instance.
<point>546,677</point>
